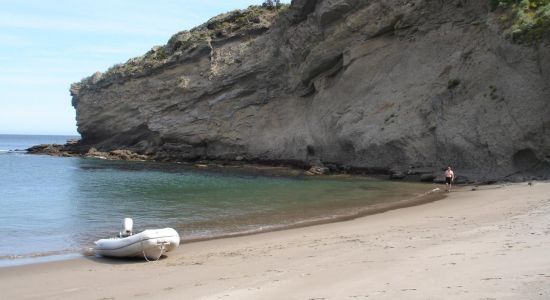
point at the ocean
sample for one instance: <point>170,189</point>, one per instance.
<point>56,207</point>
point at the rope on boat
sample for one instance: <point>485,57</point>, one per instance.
<point>162,248</point>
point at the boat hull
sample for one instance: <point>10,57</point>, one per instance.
<point>151,244</point>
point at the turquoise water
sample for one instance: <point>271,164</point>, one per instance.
<point>53,207</point>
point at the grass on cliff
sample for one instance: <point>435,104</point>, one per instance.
<point>222,26</point>
<point>225,25</point>
<point>528,20</point>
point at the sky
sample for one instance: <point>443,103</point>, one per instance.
<point>45,45</point>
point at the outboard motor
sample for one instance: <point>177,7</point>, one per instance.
<point>127,226</point>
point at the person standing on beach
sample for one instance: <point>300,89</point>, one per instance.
<point>449,178</point>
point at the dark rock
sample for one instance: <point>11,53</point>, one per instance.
<point>333,167</point>
<point>427,177</point>
<point>397,175</point>
<point>49,149</point>
<point>416,171</point>
<point>460,179</point>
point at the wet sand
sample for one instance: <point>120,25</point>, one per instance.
<point>491,243</point>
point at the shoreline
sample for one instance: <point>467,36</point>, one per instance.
<point>287,167</point>
<point>488,243</point>
<point>430,196</point>
<point>427,197</point>
<point>284,166</point>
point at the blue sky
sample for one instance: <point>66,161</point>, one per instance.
<point>45,45</point>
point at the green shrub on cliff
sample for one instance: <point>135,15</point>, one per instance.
<point>271,4</point>
<point>530,19</point>
<point>532,3</point>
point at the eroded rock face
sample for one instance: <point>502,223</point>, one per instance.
<point>376,85</point>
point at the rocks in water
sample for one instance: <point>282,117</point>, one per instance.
<point>317,171</point>
<point>128,155</point>
<point>49,149</point>
<point>317,168</point>
<point>71,149</point>
<point>120,154</point>
<point>93,153</point>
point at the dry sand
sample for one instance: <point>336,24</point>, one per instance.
<point>492,243</point>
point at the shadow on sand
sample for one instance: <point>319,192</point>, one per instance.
<point>120,261</point>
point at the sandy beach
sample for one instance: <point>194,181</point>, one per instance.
<point>488,243</point>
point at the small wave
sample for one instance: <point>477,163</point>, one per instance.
<point>19,260</point>
<point>39,254</point>
<point>13,151</point>
<point>268,228</point>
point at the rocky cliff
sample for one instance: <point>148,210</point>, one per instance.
<point>378,85</point>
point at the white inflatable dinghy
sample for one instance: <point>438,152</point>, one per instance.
<point>150,243</point>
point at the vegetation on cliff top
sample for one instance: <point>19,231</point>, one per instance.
<point>254,20</point>
<point>527,20</point>
<point>226,25</point>
<point>523,21</point>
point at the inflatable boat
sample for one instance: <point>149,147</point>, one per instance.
<point>150,244</point>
